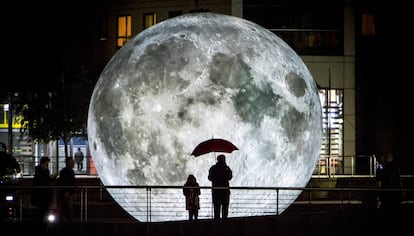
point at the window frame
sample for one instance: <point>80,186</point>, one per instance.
<point>128,30</point>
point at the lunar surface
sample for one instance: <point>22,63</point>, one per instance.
<point>196,77</point>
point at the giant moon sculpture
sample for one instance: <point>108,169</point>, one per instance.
<point>191,78</point>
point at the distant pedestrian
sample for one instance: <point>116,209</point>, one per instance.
<point>389,177</point>
<point>79,159</point>
<point>220,174</point>
<point>65,196</point>
<point>191,191</point>
<point>42,194</point>
<point>390,194</point>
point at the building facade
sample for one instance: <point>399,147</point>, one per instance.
<point>325,40</point>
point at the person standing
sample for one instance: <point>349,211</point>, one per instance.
<point>390,197</point>
<point>65,196</point>
<point>192,192</point>
<point>220,174</point>
<point>79,159</point>
<point>42,194</point>
<point>389,177</point>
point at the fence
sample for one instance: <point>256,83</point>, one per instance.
<point>166,203</point>
<point>360,165</point>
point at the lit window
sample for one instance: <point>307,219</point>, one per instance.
<point>3,118</point>
<point>368,25</point>
<point>150,19</point>
<point>333,128</point>
<point>124,30</point>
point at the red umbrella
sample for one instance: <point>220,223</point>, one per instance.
<point>214,145</point>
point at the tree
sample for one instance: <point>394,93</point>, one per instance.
<point>60,114</point>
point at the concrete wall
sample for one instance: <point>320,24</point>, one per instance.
<point>338,72</point>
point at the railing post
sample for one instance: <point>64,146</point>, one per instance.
<point>375,164</point>
<point>320,167</point>
<point>20,208</point>
<point>327,165</point>
<point>148,204</point>
<point>81,205</point>
<point>277,201</point>
<point>352,165</point>
<point>86,205</point>
<point>370,165</point>
<point>310,195</point>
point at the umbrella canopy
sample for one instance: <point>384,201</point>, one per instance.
<point>214,145</point>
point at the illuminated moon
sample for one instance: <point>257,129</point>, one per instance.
<point>192,78</point>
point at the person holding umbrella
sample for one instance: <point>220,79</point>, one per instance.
<point>220,174</point>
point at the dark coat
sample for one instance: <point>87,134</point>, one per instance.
<point>41,196</point>
<point>389,178</point>
<point>66,178</point>
<point>220,175</point>
<point>192,192</point>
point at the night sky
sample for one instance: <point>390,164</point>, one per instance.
<point>39,37</point>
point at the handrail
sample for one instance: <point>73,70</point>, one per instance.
<point>243,199</point>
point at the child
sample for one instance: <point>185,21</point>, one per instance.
<point>191,192</point>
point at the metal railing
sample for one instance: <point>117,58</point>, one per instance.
<point>167,203</point>
<point>333,166</point>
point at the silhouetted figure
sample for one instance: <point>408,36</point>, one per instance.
<point>9,170</point>
<point>42,197</point>
<point>65,196</point>
<point>220,174</point>
<point>79,159</point>
<point>390,195</point>
<point>192,192</point>
<point>8,164</point>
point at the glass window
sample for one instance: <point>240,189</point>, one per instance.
<point>150,19</point>
<point>332,120</point>
<point>124,30</point>
<point>368,25</point>
<point>4,108</point>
